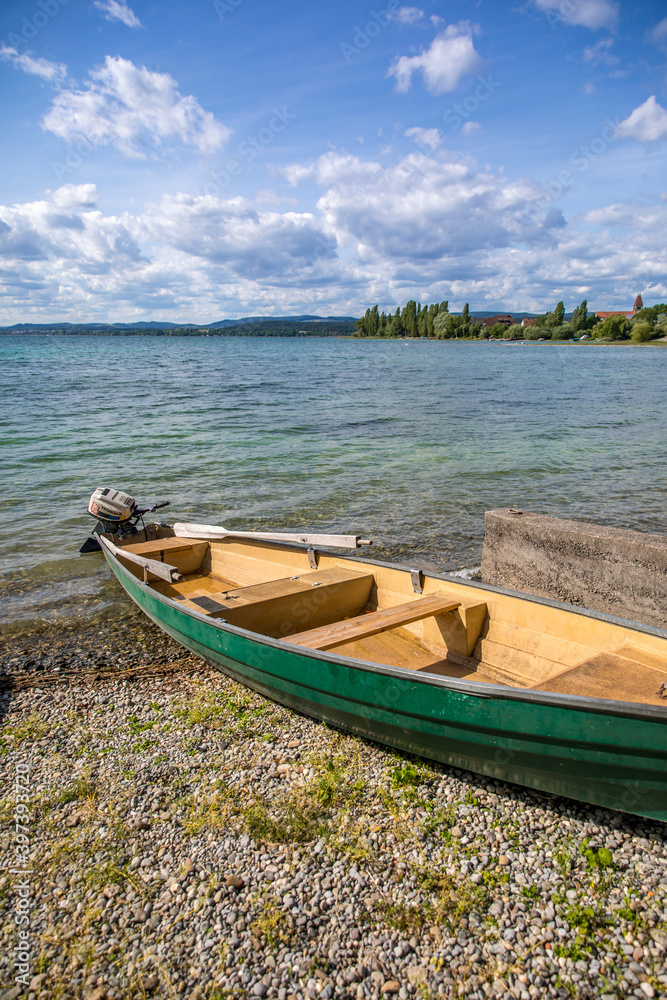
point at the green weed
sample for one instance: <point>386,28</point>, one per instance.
<point>273,925</point>
<point>601,858</point>
<point>81,788</point>
<point>211,813</point>
<point>587,921</point>
<point>32,727</point>
<point>137,726</point>
<point>406,774</point>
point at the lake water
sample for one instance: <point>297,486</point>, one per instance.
<point>407,443</point>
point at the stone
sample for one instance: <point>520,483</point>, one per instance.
<point>391,986</point>
<point>150,982</point>
<point>98,994</point>
<point>416,975</point>
<point>235,882</point>
<point>504,860</point>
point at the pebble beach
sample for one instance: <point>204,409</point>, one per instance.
<point>187,838</point>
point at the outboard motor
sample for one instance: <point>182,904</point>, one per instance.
<point>117,513</point>
<point>114,509</point>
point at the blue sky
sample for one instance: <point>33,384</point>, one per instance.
<point>243,157</point>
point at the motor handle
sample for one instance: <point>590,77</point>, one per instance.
<point>149,510</point>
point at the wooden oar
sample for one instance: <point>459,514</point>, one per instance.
<point>213,532</point>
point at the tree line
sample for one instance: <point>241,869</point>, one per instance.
<point>260,328</point>
<point>416,320</point>
<point>436,322</point>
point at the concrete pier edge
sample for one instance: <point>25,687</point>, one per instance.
<point>613,570</point>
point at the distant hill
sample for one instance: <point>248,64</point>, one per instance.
<point>89,327</point>
<point>152,325</point>
<point>250,326</point>
<point>219,324</point>
<point>499,312</point>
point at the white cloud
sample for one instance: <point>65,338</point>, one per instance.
<point>253,244</point>
<point>600,53</point>
<point>50,71</point>
<point>425,137</point>
<point>296,172</point>
<point>330,168</point>
<point>647,123</point>
<point>430,226</point>
<point>132,108</point>
<point>650,220</point>
<point>118,10</point>
<point>452,55</point>
<point>658,34</point>
<point>587,13</point>
<point>423,208</point>
<point>182,255</point>
<point>63,228</point>
<point>470,127</point>
<point>407,15</point>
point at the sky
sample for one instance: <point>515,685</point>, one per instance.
<point>228,158</point>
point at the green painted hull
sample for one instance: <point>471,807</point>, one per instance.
<point>605,753</point>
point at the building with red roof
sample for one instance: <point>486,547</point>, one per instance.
<point>637,305</point>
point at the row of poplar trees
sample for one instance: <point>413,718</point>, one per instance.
<point>415,320</point>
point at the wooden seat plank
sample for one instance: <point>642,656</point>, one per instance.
<point>294,586</point>
<point>159,545</point>
<point>336,576</point>
<point>651,660</point>
<point>362,626</point>
<point>276,607</point>
<point>610,676</point>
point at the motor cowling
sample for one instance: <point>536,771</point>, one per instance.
<point>111,507</point>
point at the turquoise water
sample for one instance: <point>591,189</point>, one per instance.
<point>404,442</point>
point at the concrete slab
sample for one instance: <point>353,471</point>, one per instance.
<point>613,570</point>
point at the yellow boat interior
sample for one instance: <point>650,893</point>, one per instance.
<point>383,614</point>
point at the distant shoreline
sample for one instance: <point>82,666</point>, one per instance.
<point>303,335</point>
<point>595,342</point>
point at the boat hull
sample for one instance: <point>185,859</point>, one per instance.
<point>606,753</point>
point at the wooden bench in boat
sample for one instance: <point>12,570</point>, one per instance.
<point>363,626</point>
<point>278,607</point>
<point>158,547</point>
<point>626,674</point>
<point>184,554</point>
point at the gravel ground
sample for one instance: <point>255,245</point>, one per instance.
<point>189,839</point>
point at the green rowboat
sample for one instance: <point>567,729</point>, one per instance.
<point>519,688</point>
